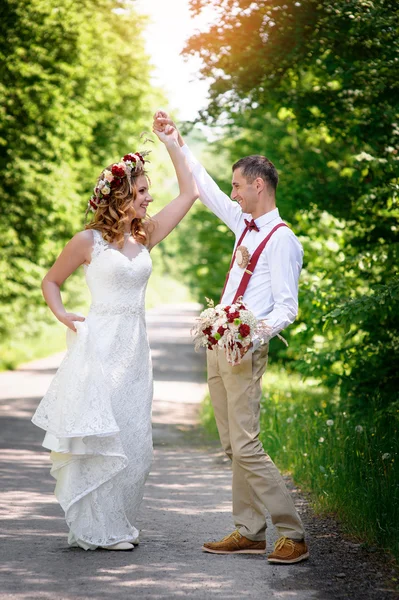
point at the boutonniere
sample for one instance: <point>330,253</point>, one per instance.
<point>242,257</point>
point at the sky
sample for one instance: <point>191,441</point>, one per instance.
<point>165,37</point>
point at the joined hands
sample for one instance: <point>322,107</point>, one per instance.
<point>165,128</point>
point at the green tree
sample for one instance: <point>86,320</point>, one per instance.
<point>74,95</point>
<point>314,86</point>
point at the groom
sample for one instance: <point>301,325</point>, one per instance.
<point>269,283</point>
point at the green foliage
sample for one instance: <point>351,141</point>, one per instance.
<point>371,382</point>
<point>350,464</point>
<point>209,251</point>
<point>204,240</point>
<point>314,85</point>
<point>74,96</point>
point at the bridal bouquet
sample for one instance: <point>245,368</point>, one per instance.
<point>231,327</point>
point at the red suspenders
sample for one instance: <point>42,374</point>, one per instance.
<point>233,258</point>
<point>252,263</point>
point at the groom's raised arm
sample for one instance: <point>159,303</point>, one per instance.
<point>209,192</point>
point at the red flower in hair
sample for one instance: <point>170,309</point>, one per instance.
<point>207,331</point>
<point>244,330</point>
<point>212,340</point>
<point>117,171</point>
<point>130,157</point>
<point>116,182</point>
<point>140,157</point>
<point>227,308</point>
<point>221,330</point>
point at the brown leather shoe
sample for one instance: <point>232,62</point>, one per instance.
<point>287,551</point>
<point>235,543</point>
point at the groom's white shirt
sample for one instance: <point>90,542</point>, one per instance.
<point>272,292</point>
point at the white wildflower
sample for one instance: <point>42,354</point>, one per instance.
<point>358,428</point>
<point>330,422</point>
<point>289,420</point>
<point>386,456</point>
<point>364,156</point>
<point>321,440</point>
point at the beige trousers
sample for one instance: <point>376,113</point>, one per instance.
<point>257,483</point>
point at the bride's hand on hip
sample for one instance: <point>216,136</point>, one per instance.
<point>68,320</point>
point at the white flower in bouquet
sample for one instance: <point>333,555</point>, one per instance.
<point>208,317</point>
<point>208,313</point>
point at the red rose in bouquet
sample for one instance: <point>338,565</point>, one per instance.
<point>232,316</point>
<point>244,330</point>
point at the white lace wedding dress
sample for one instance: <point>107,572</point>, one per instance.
<point>97,411</point>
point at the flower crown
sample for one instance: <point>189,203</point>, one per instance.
<point>112,179</point>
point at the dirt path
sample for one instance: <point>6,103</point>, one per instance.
<point>187,501</point>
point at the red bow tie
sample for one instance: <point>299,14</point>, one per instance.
<point>251,225</point>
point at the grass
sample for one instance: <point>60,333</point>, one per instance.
<point>49,340</point>
<point>350,467</point>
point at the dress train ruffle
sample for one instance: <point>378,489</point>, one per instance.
<point>86,449</point>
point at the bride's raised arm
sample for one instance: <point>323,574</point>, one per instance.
<point>172,214</point>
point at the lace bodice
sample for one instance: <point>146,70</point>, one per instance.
<point>117,283</point>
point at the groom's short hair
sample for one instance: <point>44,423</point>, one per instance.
<point>258,166</point>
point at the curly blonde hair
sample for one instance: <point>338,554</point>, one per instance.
<point>111,215</point>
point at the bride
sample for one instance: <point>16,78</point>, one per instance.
<point>97,411</point>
